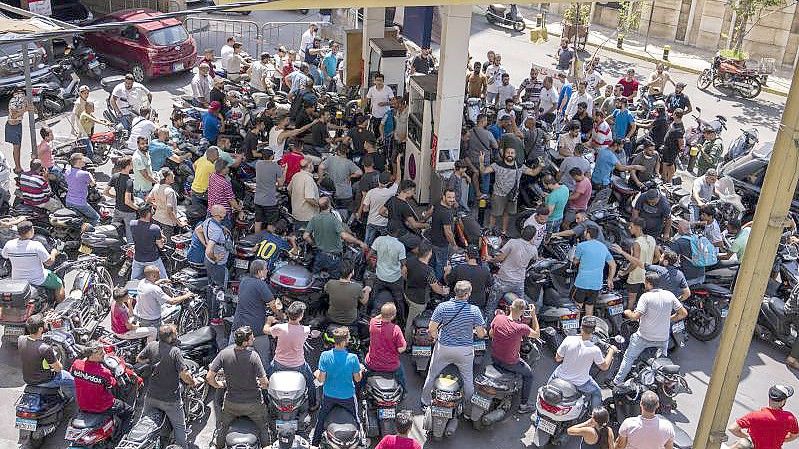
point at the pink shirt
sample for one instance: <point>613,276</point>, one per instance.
<point>290,340</point>
<point>584,189</point>
<point>44,152</point>
<point>220,191</point>
<point>398,442</point>
<point>119,318</point>
<point>385,338</point>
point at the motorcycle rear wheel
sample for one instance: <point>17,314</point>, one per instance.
<point>754,91</point>
<point>704,80</point>
<point>704,324</point>
<point>519,26</point>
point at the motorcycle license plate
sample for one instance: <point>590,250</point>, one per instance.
<point>441,412</point>
<point>480,401</point>
<point>724,312</point>
<point>36,98</point>
<point>178,66</point>
<point>479,345</point>
<point>615,310</point>
<point>677,327</point>
<point>546,425</point>
<point>287,425</point>
<point>94,64</point>
<point>386,413</point>
<point>570,324</point>
<point>85,249</point>
<point>73,434</point>
<point>13,331</point>
<point>418,351</point>
<point>242,263</point>
<point>26,424</point>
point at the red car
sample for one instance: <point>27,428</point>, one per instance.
<point>147,50</point>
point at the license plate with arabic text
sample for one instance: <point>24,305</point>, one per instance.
<point>26,424</point>
<point>479,345</point>
<point>421,351</point>
<point>570,324</point>
<point>386,413</point>
<point>480,401</point>
<point>441,412</point>
<point>724,312</point>
<point>93,64</point>
<point>13,331</point>
<point>615,310</point>
<point>178,66</point>
<point>242,263</point>
<point>546,425</point>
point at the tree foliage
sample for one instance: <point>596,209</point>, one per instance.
<point>746,10</point>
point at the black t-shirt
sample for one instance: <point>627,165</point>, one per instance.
<point>480,278</point>
<point>654,216</point>
<point>217,95</point>
<point>318,135</point>
<point>657,132</point>
<point>668,152</point>
<point>242,369</point>
<point>586,123</point>
<point>302,119</point>
<point>33,353</point>
<point>368,181</point>
<point>249,144</point>
<point>398,211</point>
<point>417,284</point>
<point>122,183</point>
<point>379,161</point>
<point>145,233</point>
<point>168,363</point>
<point>359,136</point>
<point>421,65</point>
<point>442,216</point>
<point>674,101</point>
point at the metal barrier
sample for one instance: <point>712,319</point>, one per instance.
<point>212,33</point>
<point>157,5</point>
<point>289,34</point>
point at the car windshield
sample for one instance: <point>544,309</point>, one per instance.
<point>168,36</point>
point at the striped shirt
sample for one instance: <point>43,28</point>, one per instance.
<point>602,136</point>
<point>35,188</point>
<point>220,191</point>
<point>457,322</point>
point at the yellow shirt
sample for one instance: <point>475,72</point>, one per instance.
<point>202,171</point>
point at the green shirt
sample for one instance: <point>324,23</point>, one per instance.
<point>390,255</point>
<point>739,244</point>
<point>326,230</point>
<point>225,156</point>
<point>557,198</point>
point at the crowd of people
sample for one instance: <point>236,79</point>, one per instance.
<point>305,153</point>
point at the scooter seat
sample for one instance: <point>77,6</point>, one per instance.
<point>450,384</point>
<point>44,391</point>
<point>86,420</point>
<point>65,213</point>
<point>666,365</point>
<point>498,375</point>
<point>383,382</point>
<point>498,7</point>
<point>195,338</point>
<point>713,289</point>
<point>242,433</point>
<point>565,389</point>
<point>145,428</point>
<point>341,424</point>
<point>730,272</point>
<point>621,185</point>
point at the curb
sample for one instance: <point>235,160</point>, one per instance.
<point>653,59</point>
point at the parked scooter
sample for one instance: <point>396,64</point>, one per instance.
<point>85,61</point>
<point>507,16</point>
<point>383,396</point>
<point>771,325</point>
<point>57,95</point>
<point>441,418</point>
<point>494,394</point>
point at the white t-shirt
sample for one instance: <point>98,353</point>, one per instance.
<point>259,72</point>
<point>494,78</point>
<point>646,433</point>
<point>305,41</point>
<point>274,145</point>
<point>505,92</point>
<point>656,307</point>
<point>226,53</point>
<point>376,198</point>
<point>549,99</point>
<point>379,96</point>
<point>27,258</point>
<point>578,356</point>
<point>140,127</point>
<point>130,101</point>
<point>592,80</point>
<point>575,99</point>
<point>540,229</point>
<point>234,64</point>
<point>149,299</point>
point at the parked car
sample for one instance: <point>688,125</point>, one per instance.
<point>12,69</point>
<point>147,50</point>
<point>70,11</point>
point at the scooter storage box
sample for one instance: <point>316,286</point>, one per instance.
<point>110,82</point>
<point>15,292</point>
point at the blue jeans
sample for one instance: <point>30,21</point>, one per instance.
<point>217,275</point>
<point>485,184</point>
<point>63,379</point>
<point>523,369</point>
<point>590,389</point>
<point>554,225</point>
<point>693,211</point>
<point>125,120</point>
<point>500,288</point>
<point>305,370</point>
<point>440,258</point>
<point>373,232</point>
<point>137,269</point>
<point>637,345</point>
<point>87,144</point>
<point>328,262</point>
<point>87,211</point>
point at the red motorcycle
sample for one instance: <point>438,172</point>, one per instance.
<point>731,75</point>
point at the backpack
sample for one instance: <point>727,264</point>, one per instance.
<point>703,253</point>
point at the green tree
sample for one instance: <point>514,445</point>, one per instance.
<point>746,10</point>
<point>629,15</point>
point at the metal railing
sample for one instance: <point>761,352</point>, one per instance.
<point>212,33</point>
<point>157,5</point>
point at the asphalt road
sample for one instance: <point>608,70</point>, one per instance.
<point>764,363</point>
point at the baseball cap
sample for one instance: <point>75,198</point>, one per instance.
<point>588,322</point>
<point>83,88</point>
<point>780,392</point>
<point>215,106</point>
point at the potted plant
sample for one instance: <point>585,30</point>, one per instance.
<point>575,20</point>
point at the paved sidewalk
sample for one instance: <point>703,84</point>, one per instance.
<point>682,57</point>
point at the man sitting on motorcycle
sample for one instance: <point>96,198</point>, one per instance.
<point>710,153</point>
<point>35,188</point>
<point>386,343</point>
<point>576,355</point>
<point>507,334</point>
<point>327,233</point>
<point>151,297</point>
<point>656,310</point>
<point>702,192</point>
<point>40,364</point>
<point>94,384</point>
<point>28,258</point>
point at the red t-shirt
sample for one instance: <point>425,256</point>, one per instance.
<point>119,318</point>
<point>385,338</point>
<point>630,88</point>
<point>398,442</point>
<point>768,427</point>
<point>292,162</point>
<point>92,384</point>
<point>507,339</point>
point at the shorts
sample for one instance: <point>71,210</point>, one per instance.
<point>638,289</point>
<point>501,205</point>
<point>267,214</point>
<point>583,296</point>
<point>51,281</point>
<point>14,134</point>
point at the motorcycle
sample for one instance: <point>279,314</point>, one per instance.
<point>288,402</point>
<point>558,316</point>
<point>85,60</point>
<point>57,95</point>
<point>39,412</point>
<point>742,145</point>
<point>707,306</point>
<point>694,138</point>
<point>495,390</point>
<point>507,16</point>
<point>342,431</point>
<point>441,418</point>
<point>383,396</point>
<point>732,75</point>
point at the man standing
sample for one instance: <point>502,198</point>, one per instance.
<point>458,322</point>
<point>514,257</point>
<point>474,272</point>
<point>373,201</point>
<point>220,192</point>
<point>143,175</point>
<point>304,194</point>
<point>150,297</point>
<point>164,393</point>
<point>624,126</point>
<point>538,221</point>
<point>493,75</point>
<point>565,55</point>
<point>201,85</point>
<point>423,63</point>
<point>338,371</point>
<point>254,297</point>
<point>147,240</point>
<point>581,96</point>
<point>219,245</point>
<point>682,245</point>
<point>420,280</point>
<point>653,207</point>
<point>590,256</point>
<point>629,85</point>
<point>506,188</point>
<point>378,97</point>
<point>268,177</point>
<point>648,430</point>
<point>769,427</point>
<point>245,377</point>
<point>124,204</point>
<point>507,333</point>
<point>390,268</point>
<point>18,105</point>
<point>556,201</point>
<point>28,258</point>
<point>441,233</point>
<point>656,310</point>
<point>342,171</point>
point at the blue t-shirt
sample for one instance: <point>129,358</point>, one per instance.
<point>592,255</point>
<point>495,131</point>
<point>606,160</point>
<point>565,91</point>
<point>270,247</point>
<point>210,126</point>
<point>557,198</point>
<point>339,366</point>
<point>457,322</point>
<point>330,64</point>
<point>623,120</point>
<point>159,153</point>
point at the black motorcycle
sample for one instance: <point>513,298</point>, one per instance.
<point>57,95</point>
<point>84,60</point>
<point>506,16</point>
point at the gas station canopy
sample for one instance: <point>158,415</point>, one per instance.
<point>275,5</point>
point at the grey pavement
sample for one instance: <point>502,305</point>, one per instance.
<point>764,363</point>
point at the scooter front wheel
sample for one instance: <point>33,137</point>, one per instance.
<point>519,25</point>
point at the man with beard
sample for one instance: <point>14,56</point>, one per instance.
<point>508,173</point>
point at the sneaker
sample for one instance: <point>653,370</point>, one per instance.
<point>217,322</point>
<point>526,408</point>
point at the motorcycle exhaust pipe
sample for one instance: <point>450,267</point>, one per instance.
<point>451,427</point>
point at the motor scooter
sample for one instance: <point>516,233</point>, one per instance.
<point>506,16</point>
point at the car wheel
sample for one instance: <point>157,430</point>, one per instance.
<point>139,75</point>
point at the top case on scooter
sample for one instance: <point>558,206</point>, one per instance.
<point>242,433</point>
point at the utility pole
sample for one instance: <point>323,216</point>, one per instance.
<point>770,217</point>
